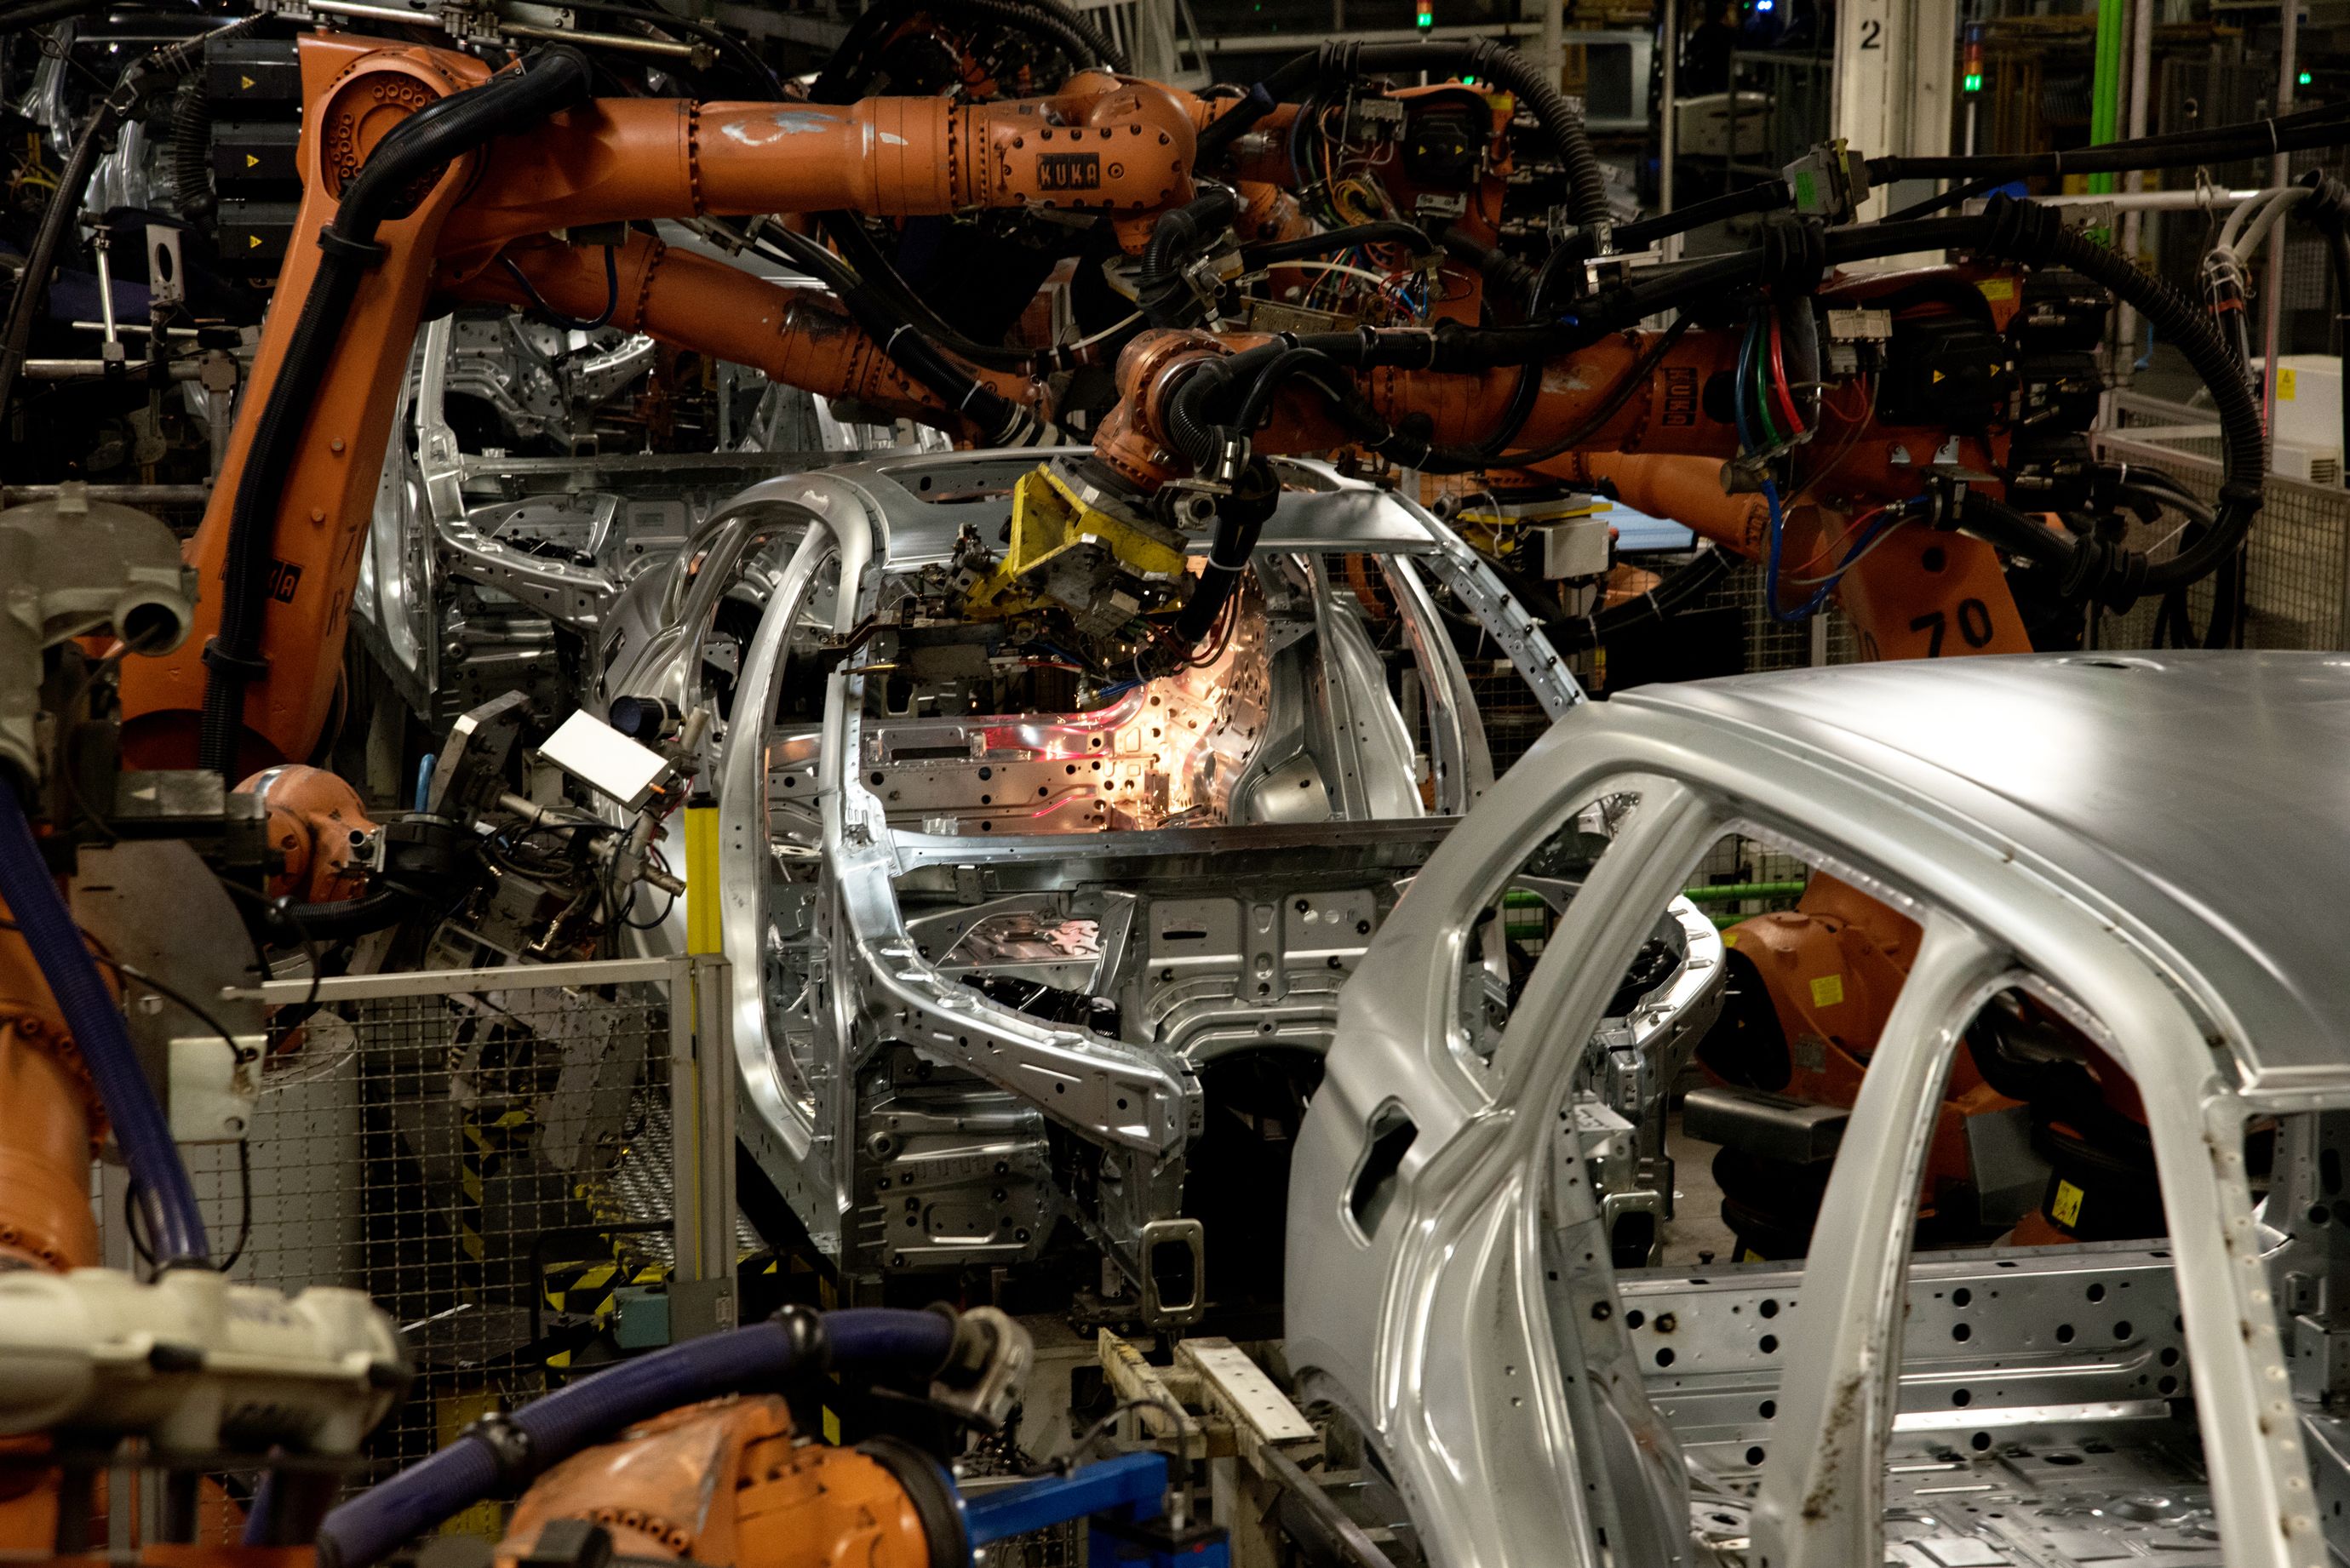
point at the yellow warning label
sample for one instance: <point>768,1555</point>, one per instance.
<point>250,160</point>
<point>1750,1256</point>
<point>1997,288</point>
<point>1828,990</point>
<point>2285,384</point>
<point>1938,376</point>
<point>246,83</point>
<point>253,242</point>
<point>2067,1209</point>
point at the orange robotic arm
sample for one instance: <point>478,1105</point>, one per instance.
<point>1635,411</point>
<point>798,336</point>
<point>1102,144</point>
<point>1664,414</point>
<point>1920,593</point>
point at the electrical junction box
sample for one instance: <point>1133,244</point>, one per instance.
<point>2306,463</point>
<point>2308,417</point>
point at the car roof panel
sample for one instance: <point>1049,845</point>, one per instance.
<point>2205,796</point>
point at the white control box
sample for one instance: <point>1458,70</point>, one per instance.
<point>2308,416</point>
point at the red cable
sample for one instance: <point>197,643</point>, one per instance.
<point>1853,528</point>
<point>1785,393</point>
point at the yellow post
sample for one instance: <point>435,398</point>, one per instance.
<point>702,874</point>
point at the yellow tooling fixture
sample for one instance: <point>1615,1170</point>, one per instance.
<point>1049,520</point>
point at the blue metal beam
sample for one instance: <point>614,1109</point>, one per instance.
<point>1137,1482</point>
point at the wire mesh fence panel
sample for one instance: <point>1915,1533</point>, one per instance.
<point>492,1166</point>
<point>2295,590</point>
<point>1774,644</point>
<point>1513,721</point>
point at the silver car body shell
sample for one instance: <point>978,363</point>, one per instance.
<point>817,547</point>
<point>874,519</point>
<point>2123,826</point>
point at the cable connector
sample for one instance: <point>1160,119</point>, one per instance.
<point>510,1449</point>
<point>1944,503</point>
<point>2022,231</point>
<point>1794,254</point>
<point>987,1367</point>
<point>1829,183</point>
<point>1231,456</point>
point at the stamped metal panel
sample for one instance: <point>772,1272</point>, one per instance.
<point>779,1105</point>
<point>1993,1340</point>
<point>1105,1089</point>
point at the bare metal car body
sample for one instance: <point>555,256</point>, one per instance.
<point>480,563</point>
<point>2120,836</point>
<point>984,961</point>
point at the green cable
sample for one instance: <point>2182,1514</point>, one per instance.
<point>1762,397</point>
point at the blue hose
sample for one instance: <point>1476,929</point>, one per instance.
<point>168,1198</point>
<point>379,1521</point>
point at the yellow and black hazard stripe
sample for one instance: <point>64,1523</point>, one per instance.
<point>483,1148</point>
<point>591,1289</point>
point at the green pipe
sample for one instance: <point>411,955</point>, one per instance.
<point>1724,892</point>
<point>2106,88</point>
<point>1721,893</point>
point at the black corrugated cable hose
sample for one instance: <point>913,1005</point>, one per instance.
<point>2321,127</point>
<point>2035,235</point>
<point>1631,382</point>
<point>1240,516</point>
<point>1192,430</point>
<point>1339,64</point>
<point>1159,287</point>
<point>2021,232</point>
<point>1505,275</point>
<point>1771,196</point>
<point>1385,232</point>
<point>346,918</point>
<point>1001,422</point>
<point>889,290</point>
<point>547,82</point>
<point>1582,633</point>
<point>191,152</point>
<point>845,75</point>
